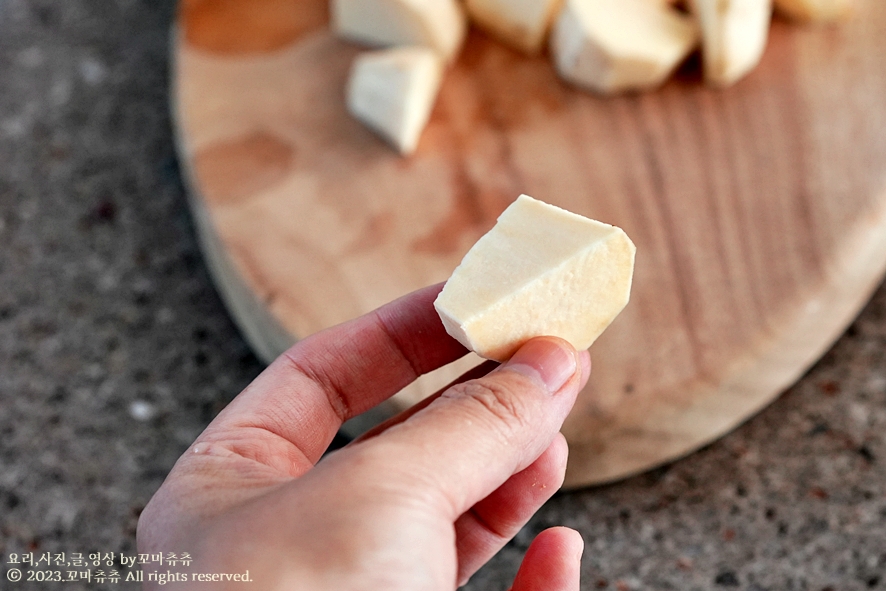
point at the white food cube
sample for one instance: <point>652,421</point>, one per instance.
<point>393,92</point>
<point>614,46</point>
<point>734,35</point>
<point>815,10</point>
<point>521,24</point>
<point>439,24</point>
<point>541,271</point>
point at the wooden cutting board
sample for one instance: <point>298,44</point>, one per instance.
<point>759,212</point>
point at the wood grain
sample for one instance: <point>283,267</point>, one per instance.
<point>759,212</point>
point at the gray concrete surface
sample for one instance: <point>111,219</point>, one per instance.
<point>115,351</point>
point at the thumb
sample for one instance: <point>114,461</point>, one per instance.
<point>553,562</point>
<point>479,433</point>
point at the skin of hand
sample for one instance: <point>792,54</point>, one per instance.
<point>418,504</point>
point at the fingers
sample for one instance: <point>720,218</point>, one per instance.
<point>552,563</point>
<point>494,521</point>
<point>477,372</point>
<point>476,435</point>
<point>322,381</point>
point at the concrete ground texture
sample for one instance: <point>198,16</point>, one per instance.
<point>116,351</point>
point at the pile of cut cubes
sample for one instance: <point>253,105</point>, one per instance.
<point>605,46</point>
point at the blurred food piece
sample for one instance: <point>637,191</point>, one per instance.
<point>393,91</point>
<point>733,34</point>
<point>438,24</point>
<point>521,24</point>
<point>612,46</point>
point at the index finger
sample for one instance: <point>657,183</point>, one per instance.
<point>306,394</point>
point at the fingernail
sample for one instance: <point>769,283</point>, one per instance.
<point>553,362</point>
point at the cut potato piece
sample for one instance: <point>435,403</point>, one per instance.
<point>521,24</point>
<point>734,35</point>
<point>541,271</point>
<point>393,92</point>
<point>815,10</point>
<point>439,24</point>
<point>613,46</point>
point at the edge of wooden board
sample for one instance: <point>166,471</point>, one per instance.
<point>754,382</point>
<point>267,338</point>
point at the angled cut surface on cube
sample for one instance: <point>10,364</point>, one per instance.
<point>541,271</point>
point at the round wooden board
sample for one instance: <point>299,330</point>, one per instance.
<point>759,212</point>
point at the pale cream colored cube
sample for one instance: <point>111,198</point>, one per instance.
<point>521,24</point>
<point>541,271</point>
<point>734,35</point>
<point>393,92</point>
<point>439,24</point>
<point>612,46</point>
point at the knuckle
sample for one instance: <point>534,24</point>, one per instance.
<point>494,401</point>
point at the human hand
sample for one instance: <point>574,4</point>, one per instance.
<point>419,503</point>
